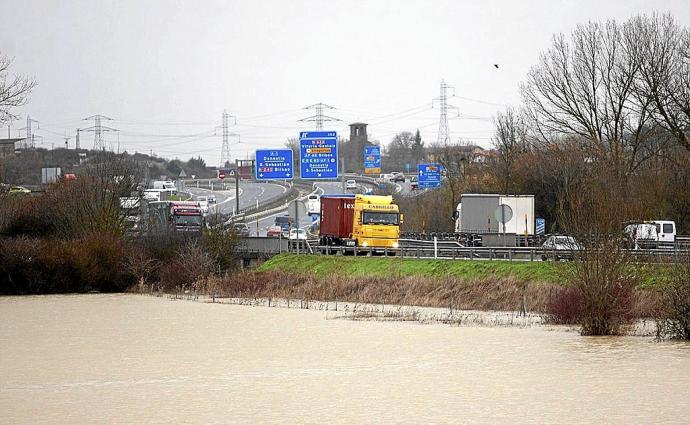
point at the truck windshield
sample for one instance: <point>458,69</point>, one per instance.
<point>369,217</point>
<point>188,220</point>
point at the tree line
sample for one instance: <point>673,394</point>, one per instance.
<point>608,104</point>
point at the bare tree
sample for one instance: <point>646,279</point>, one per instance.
<point>91,204</point>
<point>602,274</point>
<point>292,143</point>
<point>510,141</point>
<point>661,50</point>
<point>400,151</point>
<point>14,90</point>
<point>584,87</point>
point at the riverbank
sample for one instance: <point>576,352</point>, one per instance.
<point>515,289</point>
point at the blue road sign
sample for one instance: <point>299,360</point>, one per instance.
<point>429,176</point>
<point>274,164</point>
<point>372,160</point>
<point>541,226</point>
<point>318,154</point>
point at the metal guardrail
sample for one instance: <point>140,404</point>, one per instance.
<point>448,251</point>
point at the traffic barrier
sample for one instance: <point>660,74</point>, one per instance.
<point>466,253</point>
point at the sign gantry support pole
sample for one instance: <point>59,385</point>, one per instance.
<point>237,187</point>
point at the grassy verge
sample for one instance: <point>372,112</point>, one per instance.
<point>323,266</point>
<point>651,276</point>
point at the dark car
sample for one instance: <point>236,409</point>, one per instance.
<point>284,222</point>
<point>241,229</point>
<point>398,178</point>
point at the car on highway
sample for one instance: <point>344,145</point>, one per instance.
<point>241,229</point>
<point>211,199</point>
<point>560,247</point>
<point>274,231</point>
<point>398,178</point>
<point>298,234</point>
<point>19,190</point>
<point>203,203</point>
<point>284,221</point>
<point>350,184</point>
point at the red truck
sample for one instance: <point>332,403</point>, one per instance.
<point>181,216</point>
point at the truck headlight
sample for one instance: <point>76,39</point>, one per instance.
<point>396,245</point>
<point>365,244</point>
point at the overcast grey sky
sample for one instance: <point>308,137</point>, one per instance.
<point>167,69</point>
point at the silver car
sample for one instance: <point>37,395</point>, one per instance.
<point>560,248</point>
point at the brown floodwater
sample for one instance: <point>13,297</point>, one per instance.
<point>139,359</point>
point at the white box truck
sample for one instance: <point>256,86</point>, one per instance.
<point>481,214</point>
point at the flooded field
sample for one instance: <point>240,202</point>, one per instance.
<point>127,358</point>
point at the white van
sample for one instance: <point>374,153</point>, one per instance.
<point>154,195</point>
<point>167,186</point>
<point>203,204</point>
<point>651,234</point>
<point>313,204</point>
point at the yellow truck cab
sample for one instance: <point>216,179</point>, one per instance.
<point>376,222</point>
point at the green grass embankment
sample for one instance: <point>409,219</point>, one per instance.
<point>323,266</point>
<point>650,275</point>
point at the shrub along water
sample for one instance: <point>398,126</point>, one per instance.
<point>71,239</point>
<point>40,266</point>
<point>674,314</point>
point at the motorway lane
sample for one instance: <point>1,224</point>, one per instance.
<point>330,188</point>
<point>250,193</point>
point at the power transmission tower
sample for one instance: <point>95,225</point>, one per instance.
<point>225,148</point>
<point>319,118</point>
<point>443,132</point>
<point>98,129</point>
<point>29,142</point>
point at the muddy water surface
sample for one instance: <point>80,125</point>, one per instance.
<point>138,359</point>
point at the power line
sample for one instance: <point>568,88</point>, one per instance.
<point>319,118</point>
<point>30,141</point>
<point>482,101</point>
<point>225,148</point>
<point>98,129</point>
<point>443,133</point>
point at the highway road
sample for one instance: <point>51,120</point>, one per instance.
<point>264,223</point>
<point>250,193</point>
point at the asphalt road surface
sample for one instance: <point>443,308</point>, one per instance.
<point>259,228</point>
<point>250,194</point>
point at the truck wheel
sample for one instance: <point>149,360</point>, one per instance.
<point>544,258</point>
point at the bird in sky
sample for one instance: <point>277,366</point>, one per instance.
<point>496,65</point>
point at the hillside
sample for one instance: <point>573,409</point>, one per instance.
<point>24,167</point>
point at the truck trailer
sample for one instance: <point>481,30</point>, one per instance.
<point>367,221</point>
<point>479,214</point>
